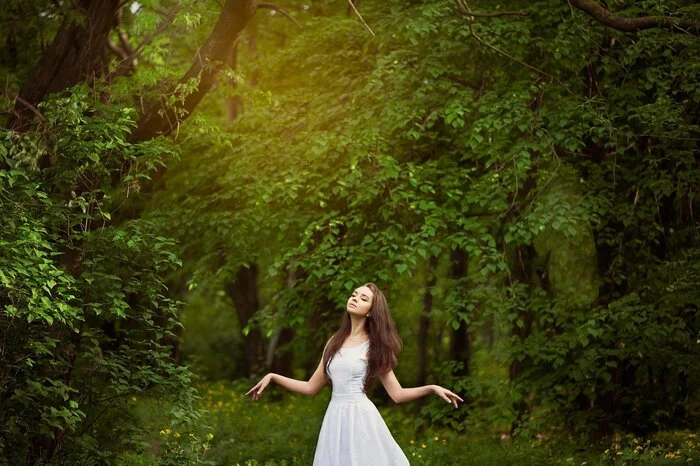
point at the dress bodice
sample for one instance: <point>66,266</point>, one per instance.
<point>347,370</point>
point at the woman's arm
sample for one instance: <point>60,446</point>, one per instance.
<point>310,388</point>
<point>401,395</point>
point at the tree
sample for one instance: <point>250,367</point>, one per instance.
<point>85,330</point>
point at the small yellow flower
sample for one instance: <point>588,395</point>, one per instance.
<point>422,445</point>
<point>133,398</point>
<point>177,434</point>
<point>412,442</point>
<point>210,436</point>
<point>436,438</point>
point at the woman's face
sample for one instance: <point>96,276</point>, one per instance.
<point>360,301</point>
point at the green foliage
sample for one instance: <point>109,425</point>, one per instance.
<point>83,311</point>
<point>358,158</point>
<point>558,155</point>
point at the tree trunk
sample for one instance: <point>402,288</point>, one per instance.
<point>78,53</point>
<point>424,329</point>
<point>489,332</point>
<point>461,338</point>
<point>425,318</point>
<point>522,326</point>
<point>282,363</point>
<point>244,294</point>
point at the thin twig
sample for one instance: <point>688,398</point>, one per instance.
<point>505,54</point>
<point>275,7</point>
<point>352,5</point>
<point>469,12</point>
<point>130,59</point>
<point>30,107</point>
<point>161,27</point>
<point>465,9</point>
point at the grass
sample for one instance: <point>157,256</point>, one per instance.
<point>282,429</point>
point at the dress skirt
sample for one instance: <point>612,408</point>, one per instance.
<point>353,433</point>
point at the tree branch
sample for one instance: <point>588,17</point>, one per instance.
<point>128,64</point>
<point>31,107</point>
<point>161,119</point>
<point>275,7</point>
<point>111,45</point>
<point>607,18</point>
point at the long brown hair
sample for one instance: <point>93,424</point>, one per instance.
<point>384,341</point>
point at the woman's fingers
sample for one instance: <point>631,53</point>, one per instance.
<point>454,398</point>
<point>449,396</point>
<point>256,389</point>
<point>259,392</point>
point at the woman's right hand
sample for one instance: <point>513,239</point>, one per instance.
<point>260,386</point>
<point>447,395</point>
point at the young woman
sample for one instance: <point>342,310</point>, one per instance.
<point>365,348</point>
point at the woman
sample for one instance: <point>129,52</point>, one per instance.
<point>365,348</point>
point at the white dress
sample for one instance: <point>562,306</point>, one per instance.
<point>353,432</point>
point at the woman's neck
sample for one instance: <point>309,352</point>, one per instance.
<point>357,329</point>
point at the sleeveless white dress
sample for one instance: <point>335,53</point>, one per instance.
<point>353,432</point>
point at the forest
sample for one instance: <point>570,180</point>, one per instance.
<point>191,189</point>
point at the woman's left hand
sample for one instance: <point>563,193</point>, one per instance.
<point>447,395</point>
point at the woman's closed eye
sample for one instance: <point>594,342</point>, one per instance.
<point>354,295</point>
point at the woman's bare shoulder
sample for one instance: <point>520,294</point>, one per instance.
<point>327,343</point>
